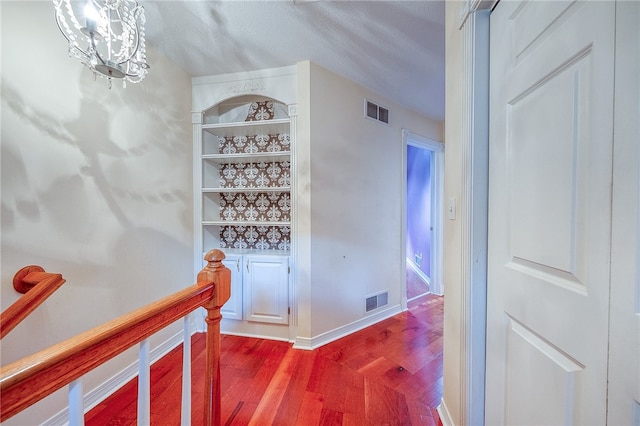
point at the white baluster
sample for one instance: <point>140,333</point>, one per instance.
<point>144,385</point>
<point>76,403</point>
<point>185,419</point>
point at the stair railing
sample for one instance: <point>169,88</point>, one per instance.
<point>36,285</point>
<point>27,381</point>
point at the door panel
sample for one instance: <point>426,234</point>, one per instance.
<point>550,172</point>
<point>267,289</point>
<point>547,367</point>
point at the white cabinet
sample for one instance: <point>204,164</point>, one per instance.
<point>266,289</point>
<point>259,288</point>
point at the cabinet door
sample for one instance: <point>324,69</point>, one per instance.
<point>266,289</point>
<point>233,308</point>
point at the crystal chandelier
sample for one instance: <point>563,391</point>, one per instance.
<point>105,35</point>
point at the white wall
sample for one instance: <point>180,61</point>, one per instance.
<point>96,185</point>
<point>349,199</point>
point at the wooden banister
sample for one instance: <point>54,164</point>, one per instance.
<point>36,285</point>
<point>30,379</point>
<point>214,271</point>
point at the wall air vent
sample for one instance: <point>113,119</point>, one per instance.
<point>376,301</point>
<point>376,112</point>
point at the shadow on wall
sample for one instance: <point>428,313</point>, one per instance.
<point>99,146</point>
<point>96,185</point>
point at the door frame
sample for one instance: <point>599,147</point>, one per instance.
<point>473,215</point>
<point>437,189</point>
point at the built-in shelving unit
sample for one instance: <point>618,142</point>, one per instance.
<point>246,176</point>
<point>243,150</point>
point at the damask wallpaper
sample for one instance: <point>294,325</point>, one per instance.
<point>268,206</point>
<point>260,110</point>
<point>252,206</point>
<point>256,237</point>
<point>254,144</point>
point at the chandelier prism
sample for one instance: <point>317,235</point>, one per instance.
<point>105,35</point>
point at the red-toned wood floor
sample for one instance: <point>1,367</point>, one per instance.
<point>416,286</point>
<point>387,374</point>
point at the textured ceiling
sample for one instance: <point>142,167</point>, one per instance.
<point>395,48</point>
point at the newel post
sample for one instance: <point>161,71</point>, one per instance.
<point>220,275</point>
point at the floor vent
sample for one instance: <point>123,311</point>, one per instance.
<point>376,112</point>
<point>376,301</point>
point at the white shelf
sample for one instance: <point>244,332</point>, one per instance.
<point>248,158</point>
<point>243,223</point>
<point>269,252</point>
<point>243,128</point>
<point>246,189</point>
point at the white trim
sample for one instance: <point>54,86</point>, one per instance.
<point>471,6</point>
<point>256,329</point>
<point>303,343</point>
<point>293,237</point>
<point>208,91</point>
<point>345,330</point>
<point>414,266</point>
<point>197,194</point>
<point>473,216</point>
<point>436,284</point>
<point>108,387</point>
<point>245,75</point>
<point>255,336</point>
<point>445,416</point>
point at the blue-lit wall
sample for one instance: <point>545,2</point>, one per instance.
<point>419,207</point>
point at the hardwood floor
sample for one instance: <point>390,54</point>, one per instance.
<point>416,286</point>
<point>387,374</point>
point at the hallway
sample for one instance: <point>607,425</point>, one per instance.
<point>389,373</point>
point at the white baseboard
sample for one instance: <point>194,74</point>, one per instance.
<point>414,266</point>
<point>337,333</point>
<point>445,416</point>
<point>105,389</point>
<point>255,336</point>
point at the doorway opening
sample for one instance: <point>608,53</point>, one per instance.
<point>423,161</point>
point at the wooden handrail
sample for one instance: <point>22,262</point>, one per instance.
<point>36,285</point>
<point>30,379</point>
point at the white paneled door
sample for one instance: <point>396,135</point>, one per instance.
<point>551,147</point>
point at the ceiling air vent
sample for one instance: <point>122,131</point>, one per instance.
<point>376,112</point>
<point>376,301</point>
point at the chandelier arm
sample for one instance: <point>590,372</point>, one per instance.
<point>93,44</point>
<point>64,33</point>
<point>71,42</point>
<point>134,51</point>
